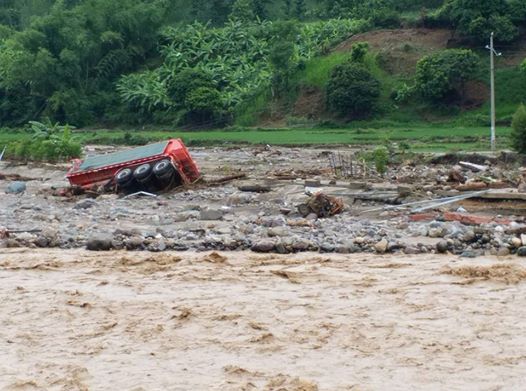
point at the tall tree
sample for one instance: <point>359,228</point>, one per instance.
<point>243,10</point>
<point>260,8</point>
<point>288,8</point>
<point>300,9</point>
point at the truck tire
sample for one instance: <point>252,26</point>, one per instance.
<point>163,169</point>
<point>143,173</point>
<point>124,177</point>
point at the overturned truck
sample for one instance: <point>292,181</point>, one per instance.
<point>152,167</point>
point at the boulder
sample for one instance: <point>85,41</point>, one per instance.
<point>99,242</point>
<point>263,246</point>
<point>442,247</point>
<point>85,204</point>
<point>211,214</point>
<point>381,246</point>
<point>16,188</point>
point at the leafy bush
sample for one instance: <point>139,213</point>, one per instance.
<point>518,134</point>
<point>358,51</point>
<point>352,90</point>
<point>185,82</point>
<point>49,142</point>
<point>203,105</point>
<point>381,159</point>
<point>402,93</point>
<point>441,77</point>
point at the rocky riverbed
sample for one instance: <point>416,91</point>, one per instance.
<point>221,217</point>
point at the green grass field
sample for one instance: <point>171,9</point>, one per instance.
<point>419,138</point>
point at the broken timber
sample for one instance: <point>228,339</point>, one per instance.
<point>504,195</point>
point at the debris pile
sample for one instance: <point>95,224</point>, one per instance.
<point>321,205</point>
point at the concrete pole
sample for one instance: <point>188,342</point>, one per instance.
<point>492,66</point>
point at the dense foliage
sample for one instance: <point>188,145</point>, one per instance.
<point>441,77</point>
<point>352,90</point>
<point>477,19</point>
<point>518,135</point>
<point>196,61</point>
<point>239,58</point>
<point>62,65</point>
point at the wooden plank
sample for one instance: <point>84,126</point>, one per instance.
<point>511,194</point>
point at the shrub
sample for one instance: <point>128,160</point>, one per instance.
<point>352,90</point>
<point>441,77</point>
<point>381,159</point>
<point>49,142</point>
<point>359,51</point>
<point>518,134</point>
<point>185,82</point>
<point>204,106</point>
<point>388,19</point>
<point>402,93</point>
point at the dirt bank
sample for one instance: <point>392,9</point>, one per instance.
<point>73,320</point>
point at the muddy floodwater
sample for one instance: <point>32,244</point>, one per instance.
<point>74,320</point>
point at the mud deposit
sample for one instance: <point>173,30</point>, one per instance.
<point>73,320</point>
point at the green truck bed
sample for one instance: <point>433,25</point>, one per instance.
<point>110,159</point>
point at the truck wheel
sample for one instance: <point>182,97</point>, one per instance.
<point>124,177</point>
<point>163,169</point>
<point>143,173</point>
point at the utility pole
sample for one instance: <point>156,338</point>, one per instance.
<point>493,53</point>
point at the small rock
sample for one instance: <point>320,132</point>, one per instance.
<point>411,250</point>
<point>442,246</point>
<point>523,239</point>
<point>185,216</point>
<point>263,246</point>
<point>436,232</point>
<point>16,188</point>
<point>100,242</point>
<point>381,246</point>
<point>211,214</point>
<point>469,236</point>
<point>278,231</point>
<point>300,245</point>
<point>41,241</point>
<point>503,252</point>
<point>359,240</point>
<point>327,248</point>
<point>157,246</point>
<point>85,204</point>
<point>470,254</point>
<point>521,252</point>
<point>285,211</point>
<point>516,242</point>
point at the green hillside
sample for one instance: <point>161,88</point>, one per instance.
<point>265,63</point>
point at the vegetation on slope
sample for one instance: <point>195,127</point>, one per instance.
<point>93,62</point>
